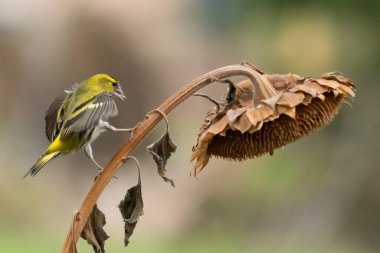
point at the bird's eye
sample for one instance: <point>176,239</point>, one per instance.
<point>114,84</point>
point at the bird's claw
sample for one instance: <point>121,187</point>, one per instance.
<point>100,172</point>
<point>133,130</point>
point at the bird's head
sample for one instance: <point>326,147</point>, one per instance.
<point>106,83</point>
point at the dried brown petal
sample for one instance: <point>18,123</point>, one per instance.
<point>291,99</point>
<point>252,126</point>
<point>232,115</point>
<point>258,114</point>
<point>282,82</point>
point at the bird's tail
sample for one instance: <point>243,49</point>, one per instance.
<point>44,159</point>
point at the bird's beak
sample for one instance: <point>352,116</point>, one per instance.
<point>119,93</point>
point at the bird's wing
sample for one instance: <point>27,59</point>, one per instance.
<point>54,116</point>
<point>88,114</point>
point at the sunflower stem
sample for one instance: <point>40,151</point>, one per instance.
<point>263,89</point>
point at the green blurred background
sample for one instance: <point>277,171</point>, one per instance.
<point>320,194</point>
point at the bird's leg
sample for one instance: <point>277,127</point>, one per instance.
<point>109,127</point>
<point>88,151</point>
<point>114,129</point>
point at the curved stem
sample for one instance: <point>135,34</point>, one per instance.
<point>142,130</point>
<point>264,88</point>
<point>137,165</point>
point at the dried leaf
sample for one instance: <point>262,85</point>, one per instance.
<point>161,151</point>
<point>209,99</point>
<point>131,208</point>
<point>93,231</point>
<point>231,94</point>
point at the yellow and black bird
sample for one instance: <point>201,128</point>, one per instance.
<point>76,119</point>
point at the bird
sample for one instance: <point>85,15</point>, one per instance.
<point>75,119</point>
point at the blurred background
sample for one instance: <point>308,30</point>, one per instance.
<point>320,194</point>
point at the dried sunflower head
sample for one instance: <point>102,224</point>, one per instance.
<point>255,119</point>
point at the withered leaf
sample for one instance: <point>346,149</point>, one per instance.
<point>210,99</point>
<point>131,208</point>
<point>93,231</point>
<point>161,151</point>
<point>231,94</point>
